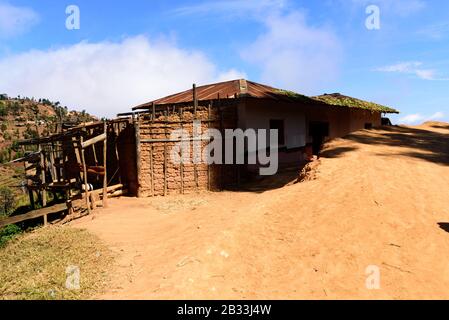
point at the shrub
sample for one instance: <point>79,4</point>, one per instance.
<point>7,200</point>
<point>9,232</point>
<point>3,109</point>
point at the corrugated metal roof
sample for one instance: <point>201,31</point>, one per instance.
<point>244,88</point>
<point>228,90</point>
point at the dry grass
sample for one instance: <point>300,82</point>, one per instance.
<point>33,266</point>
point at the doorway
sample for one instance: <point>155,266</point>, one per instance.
<point>318,130</point>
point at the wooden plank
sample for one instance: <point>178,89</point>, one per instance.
<point>172,140</point>
<point>31,167</point>
<point>92,141</point>
<point>34,214</point>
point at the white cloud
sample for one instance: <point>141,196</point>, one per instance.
<point>413,68</point>
<point>411,119</point>
<point>107,78</point>
<point>436,116</point>
<point>419,118</point>
<point>291,54</point>
<point>15,20</point>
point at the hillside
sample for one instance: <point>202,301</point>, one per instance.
<point>25,118</point>
<point>379,199</point>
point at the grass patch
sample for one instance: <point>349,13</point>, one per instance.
<point>8,233</point>
<point>33,266</point>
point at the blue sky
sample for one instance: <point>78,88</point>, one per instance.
<point>129,52</point>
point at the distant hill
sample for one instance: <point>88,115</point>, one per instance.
<point>25,118</point>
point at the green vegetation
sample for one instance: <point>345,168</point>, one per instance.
<point>294,95</point>
<point>8,233</point>
<point>337,99</point>
<point>34,265</point>
<point>7,200</point>
<point>3,109</point>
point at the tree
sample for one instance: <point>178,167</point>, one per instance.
<point>7,200</point>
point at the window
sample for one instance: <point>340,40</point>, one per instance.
<point>278,125</point>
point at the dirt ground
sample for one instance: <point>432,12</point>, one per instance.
<point>381,198</point>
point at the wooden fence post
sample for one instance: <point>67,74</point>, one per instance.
<point>105,177</point>
<point>86,186</point>
<point>137,136</point>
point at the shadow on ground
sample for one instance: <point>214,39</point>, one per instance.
<point>259,184</point>
<point>420,143</point>
<point>444,226</point>
<point>336,152</point>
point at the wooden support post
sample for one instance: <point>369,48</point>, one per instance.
<point>31,195</point>
<point>220,112</point>
<point>195,100</point>
<point>117,157</point>
<point>208,165</point>
<point>153,116</point>
<point>195,107</point>
<point>181,170</point>
<point>55,173</point>
<point>94,151</point>
<point>138,159</point>
<point>86,185</point>
<point>165,156</point>
<point>152,163</point>
<point>43,190</point>
<point>105,177</point>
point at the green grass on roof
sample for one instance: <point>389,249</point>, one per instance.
<point>344,101</point>
<point>293,95</point>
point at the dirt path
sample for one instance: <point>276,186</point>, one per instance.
<point>378,200</point>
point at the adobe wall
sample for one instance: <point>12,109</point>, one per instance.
<point>159,175</point>
<point>342,121</point>
<point>361,117</point>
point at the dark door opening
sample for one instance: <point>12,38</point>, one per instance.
<point>318,130</point>
<point>279,125</point>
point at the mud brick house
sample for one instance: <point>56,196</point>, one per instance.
<point>301,122</point>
